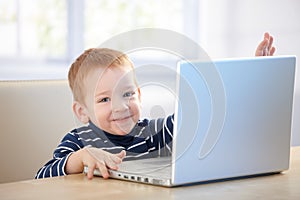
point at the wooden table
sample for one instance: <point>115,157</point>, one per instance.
<point>279,186</point>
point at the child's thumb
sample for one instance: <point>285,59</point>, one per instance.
<point>122,154</point>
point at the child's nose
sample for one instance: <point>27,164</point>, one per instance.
<point>119,105</point>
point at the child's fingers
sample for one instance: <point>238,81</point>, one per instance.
<point>90,172</point>
<point>272,51</point>
<point>111,164</point>
<point>270,43</point>
<point>261,48</point>
<point>265,48</point>
<point>113,160</point>
<point>103,169</point>
<point>117,158</point>
<point>104,161</point>
<point>122,154</point>
<point>266,35</point>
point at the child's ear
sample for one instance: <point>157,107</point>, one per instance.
<point>139,93</point>
<point>140,98</point>
<point>80,112</point>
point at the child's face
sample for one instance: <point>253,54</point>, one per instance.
<point>114,105</point>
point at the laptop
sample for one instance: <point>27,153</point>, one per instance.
<point>232,119</point>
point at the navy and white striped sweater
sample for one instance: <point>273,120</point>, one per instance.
<point>147,139</point>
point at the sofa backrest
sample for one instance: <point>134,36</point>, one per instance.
<point>34,116</point>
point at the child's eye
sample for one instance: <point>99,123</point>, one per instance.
<point>103,100</point>
<point>128,94</point>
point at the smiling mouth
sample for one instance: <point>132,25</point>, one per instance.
<point>122,118</point>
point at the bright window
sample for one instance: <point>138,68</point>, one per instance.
<point>59,30</point>
<point>105,18</point>
<point>33,29</point>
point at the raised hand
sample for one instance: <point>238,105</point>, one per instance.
<point>265,47</point>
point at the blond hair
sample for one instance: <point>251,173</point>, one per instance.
<point>89,60</point>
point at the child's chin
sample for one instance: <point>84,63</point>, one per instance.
<point>124,127</point>
<point>124,130</point>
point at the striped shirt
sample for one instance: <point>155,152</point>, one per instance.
<point>149,138</point>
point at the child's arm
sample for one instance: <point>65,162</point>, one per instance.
<point>93,158</point>
<point>161,140</point>
<point>265,47</point>
<point>56,166</point>
<point>70,156</point>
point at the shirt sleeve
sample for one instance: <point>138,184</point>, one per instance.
<point>162,140</point>
<point>56,166</point>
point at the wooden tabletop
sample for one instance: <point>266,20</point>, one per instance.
<point>285,185</point>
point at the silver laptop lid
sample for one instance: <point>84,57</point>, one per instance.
<point>233,118</point>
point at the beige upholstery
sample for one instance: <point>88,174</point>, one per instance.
<point>34,116</point>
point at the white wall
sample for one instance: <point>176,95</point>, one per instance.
<point>233,28</point>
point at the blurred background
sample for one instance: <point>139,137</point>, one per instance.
<point>39,39</point>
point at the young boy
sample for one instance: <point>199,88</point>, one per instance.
<point>107,98</point>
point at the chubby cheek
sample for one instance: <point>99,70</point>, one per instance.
<point>102,115</point>
<point>137,111</point>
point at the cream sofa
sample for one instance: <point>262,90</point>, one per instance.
<point>34,116</point>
